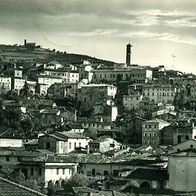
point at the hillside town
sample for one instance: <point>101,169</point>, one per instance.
<point>80,126</point>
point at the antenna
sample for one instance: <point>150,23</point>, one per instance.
<point>173,58</point>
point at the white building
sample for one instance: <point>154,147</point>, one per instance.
<point>63,142</point>
<point>67,75</point>
<point>45,81</point>
<point>159,93</point>
<point>48,169</point>
<point>53,65</point>
<point>151,131</point>
<point>5,84</point>
<point>7,140</point>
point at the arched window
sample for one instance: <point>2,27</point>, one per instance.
<point>145,185</point>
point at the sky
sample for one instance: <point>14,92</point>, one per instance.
<point>157,29</point>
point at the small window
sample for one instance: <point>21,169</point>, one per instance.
<point>63,171</point>
<point>32,171</point>
<point>69,145</point>
<point>191,146</point>
<point>40,171</point>
<point>57,171</point>
<point>7,158</point>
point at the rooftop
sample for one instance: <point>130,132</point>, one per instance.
<point>10,188</point>
<point>149,174</point>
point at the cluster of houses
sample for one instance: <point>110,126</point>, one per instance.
<point>126,130</point>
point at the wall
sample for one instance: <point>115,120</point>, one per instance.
<point>182,173</point>
<point>6,142</point>
<point>59,171</point>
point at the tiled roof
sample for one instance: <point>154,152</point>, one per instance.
<point>148,174</point>
<point>9,188</point>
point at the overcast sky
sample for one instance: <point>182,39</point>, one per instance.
<point>102,28</point>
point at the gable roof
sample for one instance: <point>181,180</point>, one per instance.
<point>10,188</point>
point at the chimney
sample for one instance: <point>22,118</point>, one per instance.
<point>25,42</point>
<point>128,54</point>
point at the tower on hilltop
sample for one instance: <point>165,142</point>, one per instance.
<point>128,54</point>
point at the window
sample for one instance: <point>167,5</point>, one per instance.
<point>105,173</point>
<point>63,171</point>
<point>69,145</point>
<point>7,158</point>
<point>40,171</point>
<point>32,171</point>
<point>57,171</point>
<point>79,144</point>
<point>48,145</point>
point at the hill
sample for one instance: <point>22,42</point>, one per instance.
<point>15,53</point>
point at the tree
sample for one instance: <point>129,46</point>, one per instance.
<point>27,127</point>
<point>79,180</point>
<point>12,95</point>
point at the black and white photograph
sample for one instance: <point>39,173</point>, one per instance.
<point>97,97</point>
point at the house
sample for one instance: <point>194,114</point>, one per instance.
<point>13,156</point>
<point>186,145</point>
<point>177,132</point>
<point>86,71</point>
<point>89,94</point>
<point>107,111</point>
<point>157,93</point>
<point>50,117</point>
<point>133,74</point>
<point>113,169</point>
<point>46,169</point>
<point>63,142</point>
<point>45,81</point>
<point>103,145</point>
<point>76,128</point>
<point>146,104</point>
<point>131,102</point>
<point>151,131</point>
<point>62,90</point>
<point>5,84</point>
<point>185,114</point>
<point>95,124</point>
<point>10,139</point>
<point>165,114</point>
<point>67,75</point>
<point>52,65</point>
<point>31,145</point>
<point>10,188</point>
<point>133,127</point>
<point>181,169</point>
<point>148,178</point>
